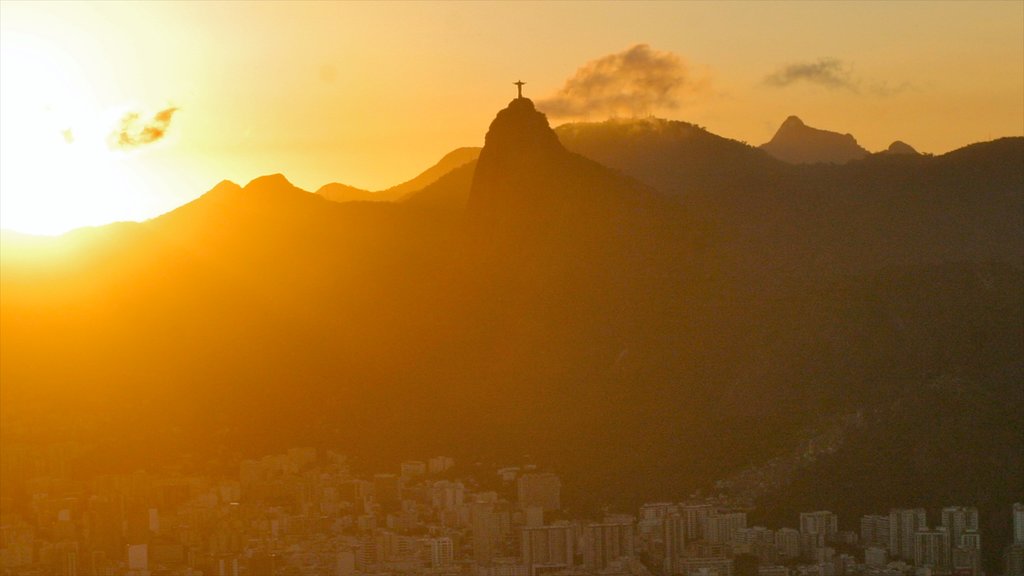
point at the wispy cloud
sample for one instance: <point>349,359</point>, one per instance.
<point>134,131</point>
<point>635,81</point>
<point>828,72</point>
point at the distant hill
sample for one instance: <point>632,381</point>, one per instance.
<point>886,209</point>
<point>336,192</point>
<point>899,147</point>
<point>450,161</point>
<point>448,194</point>
<point>454,159</point>
<point>798,143</point>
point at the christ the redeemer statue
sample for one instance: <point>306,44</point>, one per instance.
<point>519,85</point>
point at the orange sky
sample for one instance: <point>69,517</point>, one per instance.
<point>371,94</point>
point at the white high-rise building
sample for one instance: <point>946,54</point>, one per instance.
<point>932,550</point>
<point>958,520</point>
<point>819,526</point>
<point>606,543</point>
<point>723,528</point>
<point>903,525</point>
<point>696,518</point>
<point>549,546</point>
<point>442,552</point>
<point>874,531</point>
<point>787,540</point>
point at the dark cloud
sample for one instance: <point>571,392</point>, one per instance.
<point>828,72</point>
<point>635,81</point>
<point>134,131</point>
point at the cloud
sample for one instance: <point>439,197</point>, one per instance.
<point>134,132</point>
<point>635,81</point>
<point>828,72</point>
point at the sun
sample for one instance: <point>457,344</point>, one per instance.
<point>57,171</point>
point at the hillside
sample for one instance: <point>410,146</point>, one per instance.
<point>798,143</point>
<point>637,325</point>
<point>457,158</point>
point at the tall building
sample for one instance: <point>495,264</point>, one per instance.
<point>674,541</point>
<point>723,528</point>
<point>787,540</point>
<point>447,495</point>
<point>439,464</point>
<point>958,520</point>
<point>819,526</point>
<point>413,468</point>
<point>539,489</point>
<point>1018,523</point>
<point>696,518</point>
<point>1013,560</point>
<point>605,543</point>
<point>549,547</point>
<point>442,552</point>
<point>932,550</point>
<point>486,530</point>
<point>874,531</point>
<point>903,525</point>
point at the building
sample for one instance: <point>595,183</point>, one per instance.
<point>957,520</point>
<point>539,489</point>
<point>903,525</point>
<point>724,528</point>
<point>1018,523</point>
<point>705,567</point>
<point>1013,560</point>
<point>874,531</point>
<point>673,541</point>
<point>605,543</point>
<point>439,464</point>
<point>442,552</point>
<point>876,556</point>
<point>787,541</point>
<point>413,469</point>
<point>549,547</point>
<point>486,531</point>
<point>932,550</point>
<point>820,527</point>
<point>696,517</point>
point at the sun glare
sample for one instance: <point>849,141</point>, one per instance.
<point>58,171</point>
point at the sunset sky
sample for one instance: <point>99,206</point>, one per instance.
<point>124,111</point>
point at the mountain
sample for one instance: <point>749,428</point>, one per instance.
<point>454,159</point>
<point>899,147</point>
<point>448,194</point>
<point>798,143</point>
<point>645,322</point>
<point>450,161</point>
<point>770,216</point>
<point>336,192</point>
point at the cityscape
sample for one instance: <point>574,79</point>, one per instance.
<point>503,288</point>
<point>305,513</point>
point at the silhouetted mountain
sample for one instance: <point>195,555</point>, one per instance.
<point>798,143</point>
<point>454,159</point>
<point>899,147</point>
<point>865,215</point>
<point>448,194</point>
<point>648,327</point>
<point>336,192</point>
